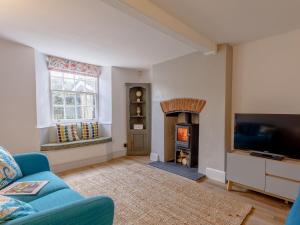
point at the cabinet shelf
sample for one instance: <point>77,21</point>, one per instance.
<point>137,116</point>
<point>135,102</point>
<point>183,149</point>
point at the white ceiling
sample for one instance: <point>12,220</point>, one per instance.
<point>96,32</point>
<point>236,21</point>
<point>86,30</point>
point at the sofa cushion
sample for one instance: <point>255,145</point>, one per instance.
<point>9,169</point>
<point>66,133</point>
<point>12,209</point>
<point>56,199</point>
<point>90,130</point>
<point>55,184</point>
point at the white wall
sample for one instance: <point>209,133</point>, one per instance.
<point>82,156</point>
<point>195,76</point>
<point>266,75</point>
<point>18,132</point>
<point>105,96</point>
<point>43,99</point>
<point>120,76</point>
<point>105,101</point>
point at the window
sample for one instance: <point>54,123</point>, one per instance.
<point>74,97</point>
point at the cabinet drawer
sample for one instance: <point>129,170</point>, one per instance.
<point>283,169</point>
<point>282,187</point>
<point>246,170</point>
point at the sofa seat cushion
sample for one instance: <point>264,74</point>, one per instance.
<point>55,184</point>
<point>56,199</point>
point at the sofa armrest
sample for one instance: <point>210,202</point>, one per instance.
<point>96,211</point>
<point>293,217</point>
<point>31,163</point>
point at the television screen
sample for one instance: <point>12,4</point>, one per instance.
<point>273,133</point>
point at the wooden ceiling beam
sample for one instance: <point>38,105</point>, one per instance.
<point>151,14</point>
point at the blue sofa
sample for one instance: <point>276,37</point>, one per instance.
<point>56,203</point>
<point>294,214</point>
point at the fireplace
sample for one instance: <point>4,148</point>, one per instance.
<point>181,131</point>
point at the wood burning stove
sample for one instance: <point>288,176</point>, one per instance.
<point>183,135</point>
<point>186,144</point>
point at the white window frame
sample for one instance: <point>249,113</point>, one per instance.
<point>66,121</point>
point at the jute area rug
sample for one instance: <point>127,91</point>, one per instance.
<point>144,195</point>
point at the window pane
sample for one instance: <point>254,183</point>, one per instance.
<point>79,85</point>
<point>89,113</point>
<point>56,83</point>
<point>80,112</point>
<point>73,96</point>
<point>70,99</point>
<point>58,112</point>
<point>56,74</point>
<point>57,98</point>
<point>91,85</point>
<point>70,113</point>
<point>94,113</point>
<point>81,99</point>
<point>69,84</point>
<point>90,100</point>
<point>79,77</point>
<point>68,75</point>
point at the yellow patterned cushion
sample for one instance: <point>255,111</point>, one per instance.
<point>67,133</point>
<point>90,130</point>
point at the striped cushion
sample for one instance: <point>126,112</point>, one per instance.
<point>90,130</point>
<point>66,133</point>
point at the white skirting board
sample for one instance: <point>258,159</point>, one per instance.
<point>154,156</point>
<point>86,162</point>
<point>217,175</point>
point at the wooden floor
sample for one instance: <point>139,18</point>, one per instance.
<point>266,210</point>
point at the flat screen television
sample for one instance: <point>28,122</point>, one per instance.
<point>271,133</point>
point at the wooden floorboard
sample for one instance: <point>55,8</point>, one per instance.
<point>266,210</point>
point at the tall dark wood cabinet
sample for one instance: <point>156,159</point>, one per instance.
<point>138,118</point>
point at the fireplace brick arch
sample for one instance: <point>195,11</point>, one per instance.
<point>190,105</point>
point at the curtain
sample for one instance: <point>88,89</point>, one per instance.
<point>66,65</point>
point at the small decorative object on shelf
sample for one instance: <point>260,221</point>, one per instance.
<point>138,95</point>
<point>138,111</point>
<point>138,126</point>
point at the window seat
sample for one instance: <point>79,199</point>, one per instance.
<point>75,144</point>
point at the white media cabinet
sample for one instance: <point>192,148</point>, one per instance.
<point>277,178</point>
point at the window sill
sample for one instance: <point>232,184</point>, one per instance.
<point>75,144</point>
<point>66,122</point>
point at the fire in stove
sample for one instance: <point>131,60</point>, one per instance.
<point>182,134</point>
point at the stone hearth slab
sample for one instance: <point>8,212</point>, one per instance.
<point>190,173</point>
